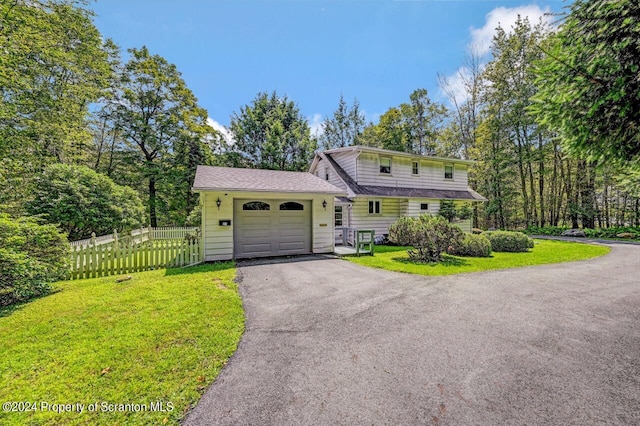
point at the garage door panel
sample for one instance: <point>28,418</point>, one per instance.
<point>256,233</point>
<point>292,245</point>
<point>274,232</point>
<point>256,249</point>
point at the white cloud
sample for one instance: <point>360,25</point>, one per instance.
<point>481,39</point>
<point>226,133</point>
<point>504,17</point>
<point>315,124</point>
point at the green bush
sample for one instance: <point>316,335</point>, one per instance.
<point>429,236</point>
<point>612,232</point>
<point>82,201</point>
<point>473,246</point>
<point>32,256</point>
<point>508,241</point>
<point>545,230</point>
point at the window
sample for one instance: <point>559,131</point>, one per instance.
<point>256,205</point>
<point>385,165</point>
<point>448,172</point>
<point>374,207</point>
<point>326,173</point>
<point>415,168</point>
<point>338,216</point>
<point>291,206</point>
<point>424,206</point>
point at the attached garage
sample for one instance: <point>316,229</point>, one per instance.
<point>271,228</point>
<point>249,213</point>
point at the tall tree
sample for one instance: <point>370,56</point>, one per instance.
<point>161,121</point>
<point>54,65</point>
<point>344,128</point>
<point>411,127</point>
<point>588,85</point>
<point>423,120</point>
<point>510,85</point>
<point>271,133</point>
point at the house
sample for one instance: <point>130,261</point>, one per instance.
<point>258,213</point>
<point>383,185</point>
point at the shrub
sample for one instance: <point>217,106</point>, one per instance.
<point>473,246</point>
<point>545,230</point>
<point>507,241</point>
<point>82,201</point>
<point>429,236</point>
<point>32,256</point>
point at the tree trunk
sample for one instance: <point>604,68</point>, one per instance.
<point>541,179</point>
<point>152,202</point>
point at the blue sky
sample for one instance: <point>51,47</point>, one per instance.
<point>312,51</point>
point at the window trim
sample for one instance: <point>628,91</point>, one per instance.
<point>335,216</point>
<point>417,168</point>
<point>452,171</point>
<point>390,166</point>
<point>372,207</point>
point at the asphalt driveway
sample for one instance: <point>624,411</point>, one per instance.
<point>331,342</point>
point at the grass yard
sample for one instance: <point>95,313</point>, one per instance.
<point>544,252</point>
<point>161,337</point>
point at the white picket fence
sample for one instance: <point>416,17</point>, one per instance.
<point>139,235</point>
<point>144,249</point>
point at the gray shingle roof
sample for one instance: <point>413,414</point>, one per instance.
<point>258,180</point>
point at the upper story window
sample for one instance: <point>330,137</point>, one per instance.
<point>448,172</point>
<point>326,173</point>
<point>385,165</point>
<point>415,167</point>
<point>374,207</point>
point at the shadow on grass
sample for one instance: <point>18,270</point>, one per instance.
<point>446,261</point>
<point>201,268</point>
<point>8,310</point>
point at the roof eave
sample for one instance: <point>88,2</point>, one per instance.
<point>194,189</point>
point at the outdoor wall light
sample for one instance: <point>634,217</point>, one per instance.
<point>218,202</point>
<point>324,204</point>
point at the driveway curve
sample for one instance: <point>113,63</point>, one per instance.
<point>331,342</point>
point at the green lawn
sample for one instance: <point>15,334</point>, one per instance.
<point>161,337</point>
<point>544,252</point>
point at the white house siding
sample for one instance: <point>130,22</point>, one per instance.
<point>218,240</point>
<point>431,174</point>
<point>392,209</point>
<point>346,160</point>
<point>333,176</point>
<point>361,219</point>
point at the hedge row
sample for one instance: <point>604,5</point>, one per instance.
<point>591,233</point>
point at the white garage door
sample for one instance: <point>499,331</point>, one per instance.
<point>271,228</point>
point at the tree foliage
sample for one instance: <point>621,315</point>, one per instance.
<point>164,127</point>
<point>344,128</point>
<point>81,201</point>
<point>413,127</point>
<point>271,133</point>
<point>588,82</point>
<point>54,64</point>
<point>32,256</point>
